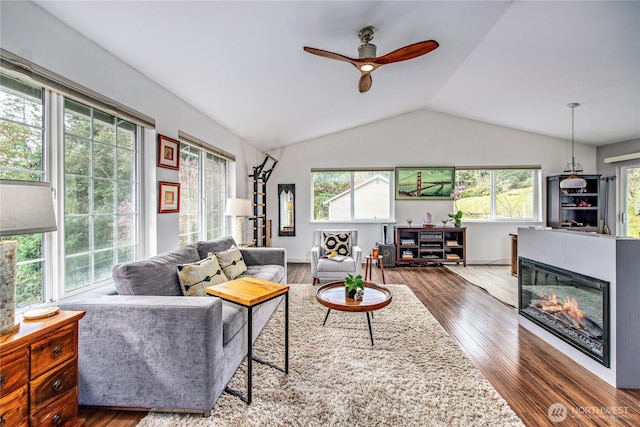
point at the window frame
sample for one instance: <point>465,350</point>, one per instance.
<point>52,170</point>
<point>352,187</point>
<point>202,153</point>
<point>536,193</point>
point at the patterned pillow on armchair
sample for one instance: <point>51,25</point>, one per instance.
<point>340,243</point>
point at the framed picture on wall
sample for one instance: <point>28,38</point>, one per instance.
<point>169,197</point>
<point>168,152</point>
<point>422,183</point>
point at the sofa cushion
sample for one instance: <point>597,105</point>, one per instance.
<point>216,245</point>
<point>336,242</point>
<point>325,265</point>
<point>231,262</point>
<point>270,272</point>
<point>153,276</point>
<point>196,277</point>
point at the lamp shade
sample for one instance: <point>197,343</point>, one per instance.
<point>238,207</point>
<point>25,207</point>
<point>573,181</point>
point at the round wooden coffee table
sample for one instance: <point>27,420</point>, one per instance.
<point>375,297</point>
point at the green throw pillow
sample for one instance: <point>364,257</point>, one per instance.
<point>231,262</point>
<point>196,277</point>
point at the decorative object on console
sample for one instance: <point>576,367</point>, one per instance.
<point>426,219</point>
<point>573,181</point>
<point>424,183</point>
<point>168,152</point>
<point>27,208</point>
<point>240,209</point>
<point>169,197</point>
<point>456,218</point>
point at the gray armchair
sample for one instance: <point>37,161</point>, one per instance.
<point>345,243</point>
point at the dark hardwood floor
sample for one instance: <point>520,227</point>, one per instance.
<point>528,373</point>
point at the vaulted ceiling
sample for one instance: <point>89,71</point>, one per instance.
<point>515,64</point>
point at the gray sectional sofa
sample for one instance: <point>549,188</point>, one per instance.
<point>143,345</point>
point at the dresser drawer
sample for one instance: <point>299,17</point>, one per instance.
<point>52,385</point>
<point>14,371</point>
<point>61,412</point>
<point>53,350</point>
<point>14,408</point>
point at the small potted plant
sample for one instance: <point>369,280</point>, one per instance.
<point>456,218</point>
<point>352,284</point>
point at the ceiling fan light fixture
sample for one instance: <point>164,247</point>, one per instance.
<point>366,67</point>
<point>573,181</point>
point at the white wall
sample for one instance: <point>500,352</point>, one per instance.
<point>613,169</point>
<point>421,138</point>
<point>35,35</point>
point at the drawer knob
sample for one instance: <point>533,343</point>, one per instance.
<point>57,386</point>
<point>57,351</point>
<point>2,383</point>
<point>57,419</point>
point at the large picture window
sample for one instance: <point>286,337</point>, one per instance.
<point>352,195</point>
<point>498,194</point>
<point>92,165</point>
<point>100,209</point>
<point>22,157</point>
<point>203,187</point>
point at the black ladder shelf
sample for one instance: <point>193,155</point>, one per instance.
<point>260,177</point>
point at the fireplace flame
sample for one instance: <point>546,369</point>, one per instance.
<point>571,307</point>
<point>567,311</point>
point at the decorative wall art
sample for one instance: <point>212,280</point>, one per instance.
<point>421,183</point>
<point>168,152</point>
<point>169,197</point>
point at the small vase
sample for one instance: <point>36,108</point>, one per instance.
<point>349,294</point>
<point>359,295</point>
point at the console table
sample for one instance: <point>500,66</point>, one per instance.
<point>39,372</point>
<point>431,245</point>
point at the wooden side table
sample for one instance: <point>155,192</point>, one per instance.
<point>250,292</point>
<point>39,372</point>
<point>367,267</point>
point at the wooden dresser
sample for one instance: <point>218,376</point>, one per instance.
<point>39,373</point>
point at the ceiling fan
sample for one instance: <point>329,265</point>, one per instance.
<point>367,60</point>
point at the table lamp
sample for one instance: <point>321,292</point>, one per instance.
<point>26,207</point>
<point>240,209</point>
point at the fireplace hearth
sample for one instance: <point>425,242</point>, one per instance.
<point>572,306</point>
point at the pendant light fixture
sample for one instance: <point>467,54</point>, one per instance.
<point>574,181</point>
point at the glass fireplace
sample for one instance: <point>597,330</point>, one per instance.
<point>572,306</point>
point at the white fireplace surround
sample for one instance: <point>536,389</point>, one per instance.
<point>609,258</point>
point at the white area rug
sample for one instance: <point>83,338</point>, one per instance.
<point>414,375</point>
<point>495,279</point>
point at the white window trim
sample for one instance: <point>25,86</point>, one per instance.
<point>392,204</point>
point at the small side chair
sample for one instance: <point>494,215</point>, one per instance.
<point>345,244</point>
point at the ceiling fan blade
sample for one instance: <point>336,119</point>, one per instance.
<point>408,52</point>
<point>365,82</point>
<point>331,55</point>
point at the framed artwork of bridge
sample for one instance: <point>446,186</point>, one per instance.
<point>422,183</point>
